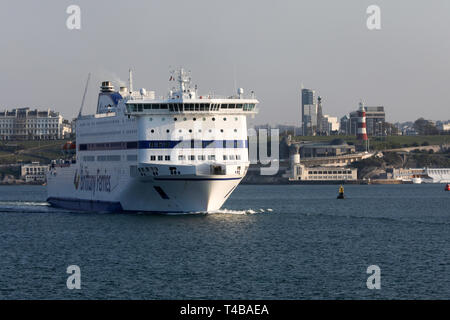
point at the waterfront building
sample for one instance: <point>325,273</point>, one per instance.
<point>34,172</point>
<point>27,124</point>
<point>299,171</point>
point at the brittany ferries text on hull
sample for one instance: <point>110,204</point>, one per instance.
<point>181,153</point>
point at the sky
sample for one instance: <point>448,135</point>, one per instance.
<point>270,47</point>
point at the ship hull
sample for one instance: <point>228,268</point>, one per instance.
<point>109,191</point>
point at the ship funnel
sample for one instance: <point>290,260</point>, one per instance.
<point>107,87</point>
<point>123,90</point>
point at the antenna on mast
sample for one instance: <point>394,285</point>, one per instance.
<point>130,80</point>
<point>234,76</point>
<point>84,95</point>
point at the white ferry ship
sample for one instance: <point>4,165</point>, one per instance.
<point>180,153</point>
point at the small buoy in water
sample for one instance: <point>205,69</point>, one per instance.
<point>341,193</point>
<point>447,187</point>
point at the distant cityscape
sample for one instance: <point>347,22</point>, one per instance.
<point>315,121</point>
<point>46,124</point>
<point>302,159</point>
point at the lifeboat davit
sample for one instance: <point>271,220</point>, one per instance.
<point>447,187</point>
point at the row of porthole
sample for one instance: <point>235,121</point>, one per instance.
<point>194,119</point>
<point>190,130</point>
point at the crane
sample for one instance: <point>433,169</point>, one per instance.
<point>84,95</point>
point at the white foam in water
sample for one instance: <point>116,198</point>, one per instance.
<point>23,203</point>
<point>222,211</point>
<point>248,211</point>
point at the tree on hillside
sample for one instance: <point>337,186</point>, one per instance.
<point>425,127</point>
<point>391,129</point>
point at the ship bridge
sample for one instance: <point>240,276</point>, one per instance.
<point>185,99</point>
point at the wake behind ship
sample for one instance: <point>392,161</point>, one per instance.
<point>184,152</point>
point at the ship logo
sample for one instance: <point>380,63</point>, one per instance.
<point>76,179</point>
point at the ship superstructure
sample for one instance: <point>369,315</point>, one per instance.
<point>184,152</point>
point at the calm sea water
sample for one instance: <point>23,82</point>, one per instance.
<point>269,242</point>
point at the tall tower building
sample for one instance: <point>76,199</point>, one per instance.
<point>319,128</point>
<point>309,112</point>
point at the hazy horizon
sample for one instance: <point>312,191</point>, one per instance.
<point>269,47</point>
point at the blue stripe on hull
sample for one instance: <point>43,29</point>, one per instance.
<point>85,205</point>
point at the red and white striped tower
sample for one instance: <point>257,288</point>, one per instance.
<point>361,134</point>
